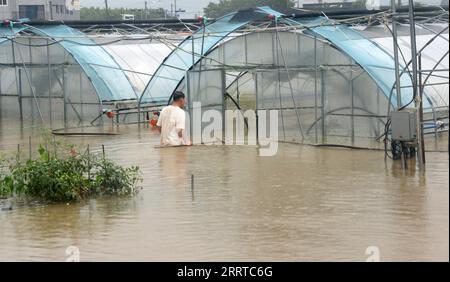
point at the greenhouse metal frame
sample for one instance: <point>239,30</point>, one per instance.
<point>333,81</point>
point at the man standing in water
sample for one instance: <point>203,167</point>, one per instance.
<point>171,122</point>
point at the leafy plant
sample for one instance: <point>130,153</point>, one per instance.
<point>4,180</point>
<point>223,7</point>
<point>96,13</point>
<point>71,177</point>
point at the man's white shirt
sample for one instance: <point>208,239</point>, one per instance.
<point>171,120</point>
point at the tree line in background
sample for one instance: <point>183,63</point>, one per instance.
<point>95,13</point>
<point>215,10</point>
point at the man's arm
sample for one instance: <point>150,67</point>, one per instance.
<point>159,123</point>
<point>181,122</point>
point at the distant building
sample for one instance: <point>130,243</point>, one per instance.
<point>40,10</point>
<point>128,17</point>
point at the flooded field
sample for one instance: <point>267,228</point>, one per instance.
<point>306,203</point>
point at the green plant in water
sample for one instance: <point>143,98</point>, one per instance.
<point>70,178</point>
<point>4,179</point>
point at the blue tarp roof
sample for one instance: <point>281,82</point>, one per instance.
<point>376,61</point>
<point>172,71</point>
<point>110,82</point>
<point>6,32</point>
<point>373,59</point>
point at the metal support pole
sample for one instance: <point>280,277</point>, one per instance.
<point>417,98</point>
<point>246,50</point>
<point>81,97</point>
<point>238,93</point>
<point>291,88</point>
<point>193,49</point>
<point>396,56</point>
<point>316,104</point>
<point>30,83</point>
<point>322,81</point>
<point>49,86</point>
<point>106,10</point>
<point>421,89</point>
<point>279,85</point>
<point>175,6</point>
<point>352,95</point>
<point>64,96</point>
<point>378,112</point>
<point>139,113</point>
<point>20,97</point>
<point>256,106</point>
<point>30,53</point>
<point>224,107</point>
<point>18,83</point>
<point>0,99</point>
<point>190,107</point>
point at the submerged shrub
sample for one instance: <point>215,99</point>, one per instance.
<point>69,178</point>
<point>4,180</point>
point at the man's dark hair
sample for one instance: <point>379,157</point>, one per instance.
<point>178,95</point>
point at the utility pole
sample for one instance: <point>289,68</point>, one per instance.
<point>175,5</point>
<point>51,10</point>
<point>146,10</point>
<point>106,9</point>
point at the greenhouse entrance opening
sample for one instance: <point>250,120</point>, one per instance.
<point>206,95</point>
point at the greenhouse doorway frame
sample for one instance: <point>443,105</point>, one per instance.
<point>209,88</point>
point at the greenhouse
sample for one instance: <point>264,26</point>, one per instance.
<point>331,81</point>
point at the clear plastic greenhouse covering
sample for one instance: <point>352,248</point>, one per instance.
<point>376,61</point>
<point>107,76</point>
<point>139,61</point>
<point>190,51</point>
<point>437,89</point>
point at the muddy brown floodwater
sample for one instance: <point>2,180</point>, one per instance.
<point>304,204</point>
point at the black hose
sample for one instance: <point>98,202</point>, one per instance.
<point>60,132</point>
<point>341,146</point>
<point>237,106</point>
<point>84,134</point>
